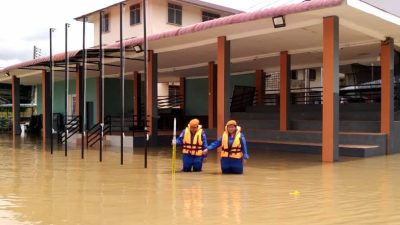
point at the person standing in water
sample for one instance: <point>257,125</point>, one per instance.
<point>234,148</point>
<point>193,141</point>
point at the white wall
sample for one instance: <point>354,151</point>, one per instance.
<point>157,20</point>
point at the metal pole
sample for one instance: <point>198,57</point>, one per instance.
<point>66,88</point>
<point>83,117</point>
<point>51,89</point>
<point>145,79</point>
<point>101,56</point>
<point>122,77</point>
<point>174,147</point>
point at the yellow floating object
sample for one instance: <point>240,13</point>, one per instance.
<point>295,193</point>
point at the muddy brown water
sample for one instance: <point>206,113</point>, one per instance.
<point>276,188</point>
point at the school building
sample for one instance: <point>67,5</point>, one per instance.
<point>316,76</point>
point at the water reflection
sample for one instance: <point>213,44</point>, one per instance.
<point>276,188</point>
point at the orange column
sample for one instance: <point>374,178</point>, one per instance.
<point>136,96</point>
<point>330,110</point>
<point>223,72</point>
<point>284,97</point>
<point>45,105</point>
<point>151,92</point>
<point>212,80</point>
<point>387,109</point>
<point>260,86</point>
<point>15,96</point>
<point>182,88</point>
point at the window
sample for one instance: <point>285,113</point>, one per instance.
<point>106,24</point>
<point>209,16</point>
<point>134,12</point>
<point>294,75</point>
<point>174,14</point>
<point>312,75</point>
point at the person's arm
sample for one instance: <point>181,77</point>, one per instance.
<point>179,139</point>
<point>244,146</point>
<point>215,144</point>
<point>204,140</point>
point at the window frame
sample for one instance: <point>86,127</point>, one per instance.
<point>133,9</point>
<point>175,9</point>
<point>209,16</point>
<point>106,23</point>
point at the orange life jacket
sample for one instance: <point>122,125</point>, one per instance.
<point>194,148</point>
<point>234,151</point>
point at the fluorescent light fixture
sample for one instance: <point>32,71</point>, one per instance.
<point>278,21</point>
<point>138,48</point>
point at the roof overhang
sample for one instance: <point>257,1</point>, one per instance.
<point>256,44</point>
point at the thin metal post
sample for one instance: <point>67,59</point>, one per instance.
<point>51,89</point>
<point>122,77</point>
<point>83,97</point>
<point>145,78</point>
<point>101,56</point>
<point>66,88</point>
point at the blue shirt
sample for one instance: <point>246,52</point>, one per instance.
<point>218,143</point>
<point>179,139</point>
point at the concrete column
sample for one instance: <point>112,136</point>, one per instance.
<point>98,99</point>
<point>80,96</point>
<point>46,104</point>
<point>212,94</point>
<point>284,97</point>
<point>260,86</point>
<point>330,110</point>
<point>152,110</point>
<point>77,90</point>
<point>182,88</point>
<point>137,96</point>
<point>15,87</point>
<point>223,74</point>
<point>387,76</point>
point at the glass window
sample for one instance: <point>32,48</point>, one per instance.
<point>174,14</point>
<point>106,27</point>
<point>209,16</point>
<point>134,14</point>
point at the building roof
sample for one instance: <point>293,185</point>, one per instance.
<point>254,40</point>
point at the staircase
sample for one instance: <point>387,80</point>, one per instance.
<point>358,129</point>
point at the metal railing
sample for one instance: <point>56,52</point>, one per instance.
<point>94,133</point>
<point>363,93</point>
<point>71,128</point>
<point>171,101</point>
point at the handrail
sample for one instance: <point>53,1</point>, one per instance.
<point>72,127</point>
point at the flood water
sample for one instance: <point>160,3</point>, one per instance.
<point>276,188</point>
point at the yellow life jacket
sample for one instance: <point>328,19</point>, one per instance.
<point>194,148</point>
<point>235,151</point>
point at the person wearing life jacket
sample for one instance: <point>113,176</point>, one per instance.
<point>193,141</point>
<point>234,148</point>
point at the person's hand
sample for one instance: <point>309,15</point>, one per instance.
<point>205,152</point>
<point>173,142</point>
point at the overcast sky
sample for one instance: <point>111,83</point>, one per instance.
<point>26,23</point>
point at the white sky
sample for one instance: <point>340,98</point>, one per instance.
<point>26,23</point>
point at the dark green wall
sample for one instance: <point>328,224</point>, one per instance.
<point>59,95</point>
<point>197,92</point>
<point>112,100</point>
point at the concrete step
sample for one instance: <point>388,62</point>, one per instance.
<point>315,148</point>
<point>344,125</point>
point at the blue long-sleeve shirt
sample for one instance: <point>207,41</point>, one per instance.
<point>179,139</point>
<point>218,143</point>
